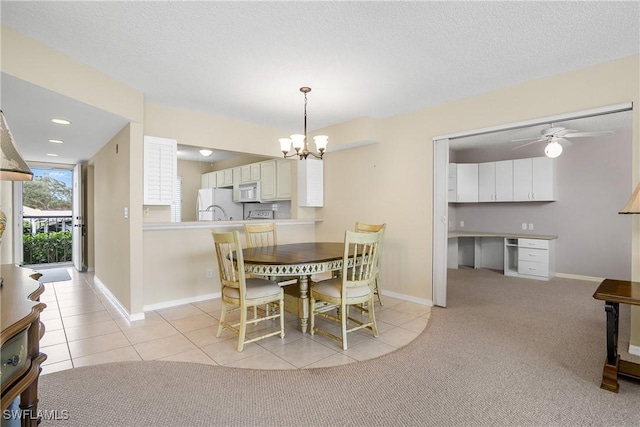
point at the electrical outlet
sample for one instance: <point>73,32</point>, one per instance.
<point>524,225</point>
<point>461,224</point>
<point>530,226</point>
<point>209,273</point>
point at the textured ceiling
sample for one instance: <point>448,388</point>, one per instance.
<point>247,60</point>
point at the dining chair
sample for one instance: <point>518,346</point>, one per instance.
<point>373,228</point>
<point>240,292</point>
<point>352,289</point>
<point>259,235</point>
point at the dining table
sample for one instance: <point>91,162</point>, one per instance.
<point>297,259</point>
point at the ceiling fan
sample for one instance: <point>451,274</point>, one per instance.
<point>554,136</point>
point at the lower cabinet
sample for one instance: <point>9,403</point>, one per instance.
<point>529,258</point>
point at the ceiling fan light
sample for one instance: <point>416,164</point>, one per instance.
<point>553,149</point>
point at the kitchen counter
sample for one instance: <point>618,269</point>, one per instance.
<point>469,233</point>
<point>222,224</point>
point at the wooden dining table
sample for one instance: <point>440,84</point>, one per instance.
<point>297,259</point>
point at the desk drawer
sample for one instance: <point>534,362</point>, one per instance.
<point>532,268</point>
<point>533,243</point>
<point>14,358</point>
<point>537,255</point>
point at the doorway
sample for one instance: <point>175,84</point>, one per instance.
<point>51,210</point>
<point>440,203</point>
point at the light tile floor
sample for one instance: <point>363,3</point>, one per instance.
<point>82,327</point>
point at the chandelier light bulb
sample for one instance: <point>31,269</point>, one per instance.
<point>321,142</point>
<point>285,144</point>
<point>298,141</point>
<point>553,149</point>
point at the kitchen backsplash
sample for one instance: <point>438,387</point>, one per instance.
<point>281,209</point>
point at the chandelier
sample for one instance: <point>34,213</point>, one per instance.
<point>299,141</point>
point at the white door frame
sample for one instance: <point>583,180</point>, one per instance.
<point>78,226</point>
<point>441,171</point>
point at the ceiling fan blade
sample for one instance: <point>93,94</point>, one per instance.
<point>578,134</point>
<point>564,141</point>
<point>529,143</point>
<point>527,139</point>
<point>564,132</point>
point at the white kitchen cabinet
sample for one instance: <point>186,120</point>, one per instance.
<point>283,179</point>
<point>463,181</point>
<point>310,183</point>
<point>250,173</point>
<point>237,179</point>
<point>208,180</point>
<point>495,181</point>
<point>223,178</point>
<point>275,180</point>
<point>268,180</point>
<point>534,179</point>
<point>160,170</point>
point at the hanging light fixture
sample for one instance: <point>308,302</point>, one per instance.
<point>299,141</point>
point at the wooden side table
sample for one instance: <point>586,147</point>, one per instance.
<point>614,292</point>
<point>20,340</point>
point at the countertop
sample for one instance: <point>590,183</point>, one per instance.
<point>470,233</point>
<point>149,226</point>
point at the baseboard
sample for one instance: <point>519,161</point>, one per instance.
<point>634,349</point>
<point>117,304</point>
<point>579,277</point>
<point>174,303</point>
<point>421,301</point>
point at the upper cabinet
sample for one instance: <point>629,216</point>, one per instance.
<point>208,180</point>
<point>463,182</point>
<point>311,183</point>
<point>534,179</point>
<point>250,173</point>
<point>495,181</point>
<point>160,170</point>
<point>521,180</point>
<point>224,178</point>
<point>275,180</point>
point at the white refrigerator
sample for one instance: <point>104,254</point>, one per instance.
<point>216,204</point>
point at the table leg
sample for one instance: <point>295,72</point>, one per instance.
<point>303,310</point>
<point>610,370</point>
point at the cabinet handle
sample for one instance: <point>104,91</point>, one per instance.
<point>532,268</point>
<point>14,360</point>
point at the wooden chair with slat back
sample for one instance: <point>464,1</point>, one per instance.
<point>353,289</point>
<point>259,235</point>
<point>240,292</point>
<point>373,228</point>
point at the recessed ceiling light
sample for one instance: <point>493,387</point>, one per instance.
<point>52,155</point>
<point>61,121</point>
<point>56,141</point>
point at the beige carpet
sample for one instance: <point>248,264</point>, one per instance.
<point>505,352</point>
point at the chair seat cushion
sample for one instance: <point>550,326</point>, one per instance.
<point>332,288</point>
<point>256,288</point>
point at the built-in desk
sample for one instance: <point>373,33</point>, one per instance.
<point>523,255</point>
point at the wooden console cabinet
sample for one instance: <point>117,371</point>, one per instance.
<point>20,340</point>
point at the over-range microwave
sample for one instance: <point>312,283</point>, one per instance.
<point>250,192</point>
